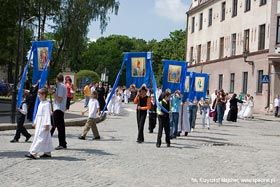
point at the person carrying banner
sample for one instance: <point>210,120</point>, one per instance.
<point>21,113</point>
<point>143,104</point>
<point>152,115</point>
<point>164,120</point>
<point>60,97</point>
<point>175,102</point>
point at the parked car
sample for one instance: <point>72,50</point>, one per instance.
<point>4,89</point>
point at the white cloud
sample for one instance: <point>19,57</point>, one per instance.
<point>174,10</point>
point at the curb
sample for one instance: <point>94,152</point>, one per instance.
<point>68,123</point>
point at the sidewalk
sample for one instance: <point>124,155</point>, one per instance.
<point>73,117</point>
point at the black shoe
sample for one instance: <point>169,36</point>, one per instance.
<point>14,141</point>
<point>158,145</point>
<point>30,156</point>
<point>168,145</point>
<point>186,133</point>
<point>139,141</point>
<point>178,133</point>
<point>60,147</point>
<point>150,131</point>
<point>96,138</point>
<point>81,137</point>
<point>46,156</point>
<point>27,138</point>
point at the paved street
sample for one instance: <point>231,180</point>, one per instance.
<point>245,153</point>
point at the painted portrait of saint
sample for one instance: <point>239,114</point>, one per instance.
<point>174,73</point>
<point>199,84</point>
<point>42,57</point>
<point>138,67</point>
<point>187,84</point>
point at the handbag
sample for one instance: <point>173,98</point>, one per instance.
<point>212,113</point>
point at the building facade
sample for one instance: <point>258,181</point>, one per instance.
<point>237,42</point>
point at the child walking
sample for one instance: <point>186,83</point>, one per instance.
<point>42,140</point>
<point>164,120</point>
<point>152,115</point>
<point>21,113</point>
<point>93,109</point>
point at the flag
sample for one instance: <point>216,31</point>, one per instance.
<point>138,68</point>
<point>42,51</point>
<point>174,74</point>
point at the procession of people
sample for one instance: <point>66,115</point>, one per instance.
<point>172,112</point>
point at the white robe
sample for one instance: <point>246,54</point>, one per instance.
<point>42,140</point>
<point>249,110</point>
<point>243,108</point>
<point>184,120</point>
<point>118,103</point>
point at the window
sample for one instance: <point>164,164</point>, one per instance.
<point>233,44</point>
<point>220,86</point>
<point>246,40</point>
<point>210,16</point>
<point>247,5</point>
<point>234,8</point>
<point>231,86</point>
<point>259,81</point>
<point>191,55</point>
<point>262,2</point>
<point>193,20</point>
<point>208,51</point>
<point>261,37</point>
<point>221,54</point>
<point>245,82</point>
<point>278,30</point>
<point>200,21</point>
<point>198,53</point>
<point>223,14</point>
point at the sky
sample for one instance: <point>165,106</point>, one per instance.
<point>144,19</point>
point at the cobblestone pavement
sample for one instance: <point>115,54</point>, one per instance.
<point>245,153</point>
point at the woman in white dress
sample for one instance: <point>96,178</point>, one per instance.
<point>42,140</point>
<point>243,107</point>
<point>118,101</point>
<point>250,108</point>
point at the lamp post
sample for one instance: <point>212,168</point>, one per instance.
<point>104,75</point>
<point>245,56</point>
<point>20,51</point>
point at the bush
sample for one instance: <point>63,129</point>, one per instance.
<point>84,75</point>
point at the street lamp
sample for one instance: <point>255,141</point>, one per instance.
<point>245,56</point>
<point>104,75</point>
<point>19,58</point>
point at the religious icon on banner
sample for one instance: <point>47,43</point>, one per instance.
<point>42,57</point>
<point>174,73</point>
<point>138,67</point>
<point>187,84</point>
<point>199,84</point>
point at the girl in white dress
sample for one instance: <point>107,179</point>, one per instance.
<point>118,101</point>
<point>111,104</point>
<point>243,107</point>
<point>42,140</point>
<point>250,108</point>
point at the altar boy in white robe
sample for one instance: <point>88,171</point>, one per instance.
<point>42,140</point>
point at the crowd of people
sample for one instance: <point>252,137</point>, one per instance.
<point>174,114</point>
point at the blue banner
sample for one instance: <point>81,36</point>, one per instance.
<point>196,85</point>
<point>22,81</point>
<point>174,74</point>
<point>42,51</point>
<point>138,68</point>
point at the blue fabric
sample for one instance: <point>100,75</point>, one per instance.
<point>200,85</point>
<point>42,51</point>
<point>114,87</point>
<point>22,81</point>
<point>174,75</point>
<point>138,68</point>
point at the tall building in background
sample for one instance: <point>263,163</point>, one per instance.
<point>237,42</point>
